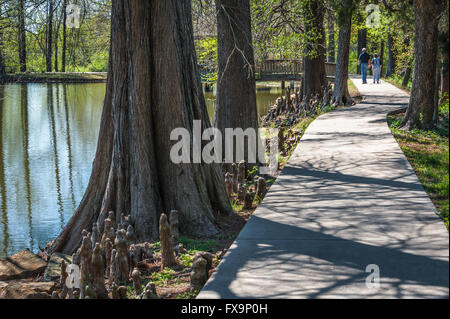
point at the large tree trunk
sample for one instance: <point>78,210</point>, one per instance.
<point>362,43</point>
<point>331,33</point>
<point>236,91</point>
<point>153,87</point>
<point>48,55</point>
<point>341,96</point>
<point>22,37</point>
<point>64,43</point>
<point>390,69</point>
<point>421,104</point>
<point>314,76</point>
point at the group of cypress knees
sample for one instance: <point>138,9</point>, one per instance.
<point>110,251</point>
<point>294,105</point>
<point>109,255</point>
<point>113,256</point>
<point>237,183</point>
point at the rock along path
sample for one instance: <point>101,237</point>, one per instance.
<point>346,199</point>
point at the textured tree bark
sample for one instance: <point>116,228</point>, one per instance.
<point>236,91</point>
<point>314,78</point>
<point>153,87</point>
<point>22,37</point>
<point>341,96</point>
<point>48,55</point>
<point>421,104</point>
<point>362,43</point>
<point>331,33</point>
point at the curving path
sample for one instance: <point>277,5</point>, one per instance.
<point>347,198</point>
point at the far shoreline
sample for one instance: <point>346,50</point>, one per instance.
<point>54,77</point>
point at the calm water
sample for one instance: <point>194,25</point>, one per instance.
<point>48,137</point>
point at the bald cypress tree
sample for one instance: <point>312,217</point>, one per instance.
<point>345,9</point>
<point>422,100</point>
<point>153,87</point>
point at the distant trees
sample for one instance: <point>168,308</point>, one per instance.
<point>2,43</point>
<point>331,48</point>
<point>362,43</point>
<point>64,36</point>
<point>36,36</point>
<point>49,34</point>
<point>22,36</point>
<point>390,69</point>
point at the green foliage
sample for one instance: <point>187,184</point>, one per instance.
<point>252,172</point>
<point>328,108</point>
<point>87,46</point>
<point>188,295</point>
<point>194,246</point>
<point>162,278</point>
<point>397,80</point>
<point>443,107</point>
<point>198,244</point>
<point>277,29</point>
<point>207,58</point>
<point>236,206</point>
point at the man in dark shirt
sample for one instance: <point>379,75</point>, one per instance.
<point>363,61</point>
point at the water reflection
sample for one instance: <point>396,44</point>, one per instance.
<point>48,138</point>
<point>5,234</point>
<point>26,159</point>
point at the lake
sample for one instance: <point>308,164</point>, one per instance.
<point>48,138</point>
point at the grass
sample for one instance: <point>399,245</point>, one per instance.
<point>428,154</point>
<point>352,89</point>
<point>163,277</point>
<point>396,80</point>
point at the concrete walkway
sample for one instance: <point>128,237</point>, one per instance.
<point>347,198</point>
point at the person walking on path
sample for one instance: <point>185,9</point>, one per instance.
<point>376,68</point>
<point>363,62</point>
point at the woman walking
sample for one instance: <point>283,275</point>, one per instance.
<point>376,68</point>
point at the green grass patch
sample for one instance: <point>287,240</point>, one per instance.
<point>428,154</point>
<point>188,295</point>
<point>196,245</point>
<point>162,278</point>
<point>397,81</point>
